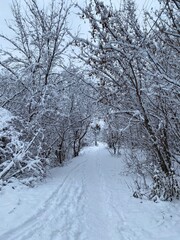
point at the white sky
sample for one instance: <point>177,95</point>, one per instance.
<point>5,11</point>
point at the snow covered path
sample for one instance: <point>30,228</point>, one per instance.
<point>87,200</point>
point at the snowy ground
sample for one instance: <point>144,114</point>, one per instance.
<point>86,200</point>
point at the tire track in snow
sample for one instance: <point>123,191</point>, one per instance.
<point>94,203</point>
<point>97,208</point>
<point>55,209</point>
<point>111,213</point>
<point>121,227</point>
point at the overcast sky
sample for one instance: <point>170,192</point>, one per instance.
<point>5,11</point>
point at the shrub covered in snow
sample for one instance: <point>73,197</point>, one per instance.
<point>16,160</point>
<point>164,187</point>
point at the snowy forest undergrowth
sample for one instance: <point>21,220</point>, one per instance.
<point>60,91</point>
<point>89,198</point>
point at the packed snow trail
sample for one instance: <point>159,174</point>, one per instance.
<point>91,201</point>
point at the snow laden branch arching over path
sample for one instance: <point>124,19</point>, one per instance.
<point>91,201</point>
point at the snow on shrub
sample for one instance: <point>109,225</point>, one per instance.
<point>164,187</point>
<point>16,160</point>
